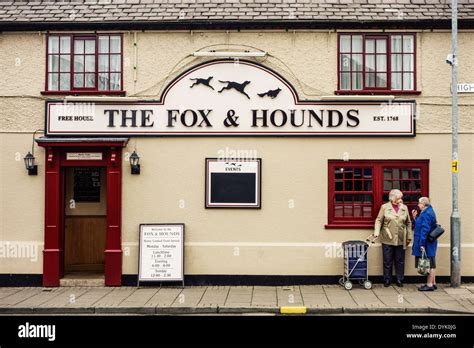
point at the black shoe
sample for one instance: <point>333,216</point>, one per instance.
<point>426,288</point>
<point>435,287</point>
<point>399,284</point>
<point>386,284</point>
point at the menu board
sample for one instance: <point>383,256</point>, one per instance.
<point>87,184</point>
<point>161,256</point>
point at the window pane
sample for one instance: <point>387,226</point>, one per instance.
<point>381,46</point>
<point>357,62</point>
<point>104,81</point>
<point>367,172</point>
<point>64,82</point>
<point>406,185</point>
<point>53,44</point>
<point>357,173</point>
<point>90,46</point>
<point>408,62</point>
<point>115,46</point>
<point>103,62</point>
<point>348,173</point>
<point>369,46</point>
<point>408,44</point>
<point>53,84</point>
<point>90,63</point>
<point>345,43</point>
<point>370,63</point>
<point>345,62</point>
<point>408,81</point>
<point>381,62</point>
<point>396,185</point>
<point>65,63</point>
<point>396,62</point>
<point>53,64</point>
<point>78,63</point>
<point>369,80</point>
<point>79,46</point>
<point>345,81</point>
<point>396,173</point>
<point>396,80</point>
<point>115,82</point>
<point>396,44</point>
<point>357,80</point>
<point>65,44</point>
<point>368,185</point>
<point>103,44</point>
<point>78,80</point>
<point>115,63</point>
<point>348,186</point>
<point>358,185</point>
<point>339,186</point>
<point>357,43</point>
<point>347,210</point>
<point>90,80</point>
<point>387,185</point>
<point>382,80</point>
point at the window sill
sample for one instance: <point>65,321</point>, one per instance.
<point>348,226</point>
<point>375,92</point>
<point>119,93</point>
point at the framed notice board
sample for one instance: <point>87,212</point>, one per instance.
<point>161,253</point>
<point>87,184</point>
<point>233,183</point>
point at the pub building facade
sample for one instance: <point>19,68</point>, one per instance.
<point>272,130</point>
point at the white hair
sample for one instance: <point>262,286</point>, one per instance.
<point>394,194</point>
<point>425,201</point>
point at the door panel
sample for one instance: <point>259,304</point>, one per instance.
<point>85,243</point>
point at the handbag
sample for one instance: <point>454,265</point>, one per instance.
<point>424,265</point>
<point>435,234</point>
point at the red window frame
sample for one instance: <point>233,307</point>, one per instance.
<point>84,90</point>
<point>374,90</point>
<point>377,191</point>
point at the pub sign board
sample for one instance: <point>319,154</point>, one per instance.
<point>225,98</point>
<point>161,252</point>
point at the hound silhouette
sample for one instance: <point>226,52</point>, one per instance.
<point>239,87</point>
<point>200,81</point>
<point>271,93</point>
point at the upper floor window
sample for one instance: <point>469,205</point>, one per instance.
<point>84,63</point>
<point>376,62</point>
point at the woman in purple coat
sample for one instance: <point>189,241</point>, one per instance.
<point>425,222</point>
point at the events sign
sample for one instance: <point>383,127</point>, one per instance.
<point>223,97</point>
<point>161,256</point>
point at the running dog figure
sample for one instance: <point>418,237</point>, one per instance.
<point>239,87</point>
<point>200,81</point>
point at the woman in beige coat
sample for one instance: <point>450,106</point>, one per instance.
<point>393,226</point>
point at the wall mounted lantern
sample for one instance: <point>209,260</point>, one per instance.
<point>134,163</point>
<point>30,165</point>
<point>29,159</point>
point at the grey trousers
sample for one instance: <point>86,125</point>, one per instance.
<point>393,254</point>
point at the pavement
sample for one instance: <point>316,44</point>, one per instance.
<point>309,299</point>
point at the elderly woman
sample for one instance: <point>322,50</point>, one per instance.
<point>424,224</point>
<point>393,225</point>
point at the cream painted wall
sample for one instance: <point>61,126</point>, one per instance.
<point>171,185</point>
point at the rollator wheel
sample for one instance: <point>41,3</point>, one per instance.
<point>341,281</point>
<point>368,284</point>
<point>347,285</point>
